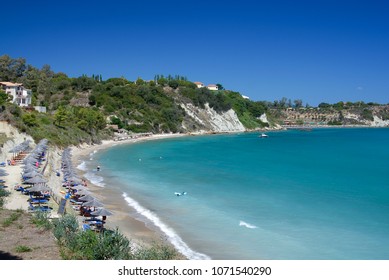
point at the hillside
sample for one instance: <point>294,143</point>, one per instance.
<point>345,114</point>
<point>89,109</point>
<point>79,109</point>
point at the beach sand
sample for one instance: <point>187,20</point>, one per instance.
<point>15,200</point>
<point>125,217</point>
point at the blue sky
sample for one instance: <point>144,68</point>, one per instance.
<point>317,51</point>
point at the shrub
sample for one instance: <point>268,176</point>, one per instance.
<point>3,194</point>
<point>65,229</point>
<point>155,252</point>
<point>23,249</point>
<point>112,245</point>
<point>41,219</point>
<point>14,216</point>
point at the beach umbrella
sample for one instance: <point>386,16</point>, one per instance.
<point>36,180</point>
<point>31,174</point>
<point>87,198</point>
<point>73,179</point>
<point>2,171</point>
<point>39,188</point>
<point>30,165</point>
<point>93,203</point>
<point>102,212</point>
<point>83,192</point>
<point>78,187</point>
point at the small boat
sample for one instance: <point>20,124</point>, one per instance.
<point>179,194</point>
<point>263,135</point>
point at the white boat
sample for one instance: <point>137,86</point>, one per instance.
<point>179,194</point>
<point>263,135</point>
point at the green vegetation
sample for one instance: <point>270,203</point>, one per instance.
<point>107,245</point>
<point>3,195</point>
<point>367,114</point>
<point>23,249</point>
<point>334,123</point>
<point>78,109</point>
<point>3,138</point>
<point>12,218</point>
<point>41,220</point>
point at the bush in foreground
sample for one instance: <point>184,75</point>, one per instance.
<point>106,245</point>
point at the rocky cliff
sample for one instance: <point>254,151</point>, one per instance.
<point>209,120</point>
<point>374,116</point>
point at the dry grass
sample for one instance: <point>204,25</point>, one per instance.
<point>21,234</point>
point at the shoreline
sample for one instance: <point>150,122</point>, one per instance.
<point>137,229</point>
<point>125,217</point>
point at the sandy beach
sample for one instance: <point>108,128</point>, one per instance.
<point>123,216</point>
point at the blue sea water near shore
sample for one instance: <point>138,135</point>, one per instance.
<point>322,194</point>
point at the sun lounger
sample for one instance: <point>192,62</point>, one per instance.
<point>35,200</point>
<point>23,190</point>
<point>85,227</point>
<point>33,208</point>
<point>76,202</point>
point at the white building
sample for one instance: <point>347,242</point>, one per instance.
<point>199,84</point>
<point>245,97</point>
<point>20,95</point>
<point>212,87</point>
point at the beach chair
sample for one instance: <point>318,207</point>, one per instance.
<point>33,208</point>
<point>37,200</point>
<point>23,190</point>
<point>85,227</point>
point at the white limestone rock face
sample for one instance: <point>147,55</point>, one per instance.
<point>378,122</point>
<point>263,118</point>
<point>212,120</point>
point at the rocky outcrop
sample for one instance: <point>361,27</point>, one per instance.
<point>208,119</point>
<point>15,138</point>
<point>375,116</point>
<point>378,122</point>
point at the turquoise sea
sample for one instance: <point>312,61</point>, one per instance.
<point>320,194</point>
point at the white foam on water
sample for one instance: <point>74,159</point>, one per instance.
<point>247,225</point>
<point>92,154</point>
<point>82,166</point>
<point>173,237</point>
<point>94,179</point>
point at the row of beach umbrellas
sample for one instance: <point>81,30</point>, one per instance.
<point>3,172</point>
<point>31,172</point>
<point>22,147</point>
<point>70,175</point>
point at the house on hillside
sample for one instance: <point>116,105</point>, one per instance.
<point>212,87</point>
<point>199,84</point>
<point>20,95</point>
<point>245,97</point>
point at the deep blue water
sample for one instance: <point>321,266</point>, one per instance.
<point>322,194</point>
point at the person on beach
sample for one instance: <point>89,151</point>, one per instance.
<point>98,168</point>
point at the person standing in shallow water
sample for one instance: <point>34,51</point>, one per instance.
<point>98,168</point>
